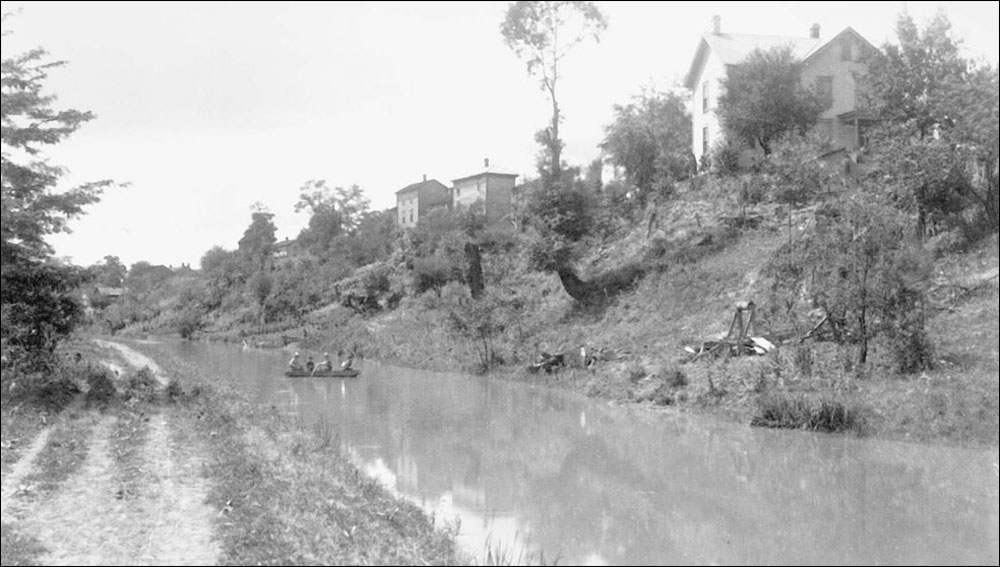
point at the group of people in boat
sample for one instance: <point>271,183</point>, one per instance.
<point>326,365</point>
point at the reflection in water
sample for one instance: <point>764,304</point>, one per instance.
<point>545,470</point>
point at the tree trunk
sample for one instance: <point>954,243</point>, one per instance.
<point>574,286</point>
<point>475,270</point>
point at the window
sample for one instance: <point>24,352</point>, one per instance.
<point>845,49</point>
<point>704,96</point>
<point>411,215</point>
<point>704,140</point>
<point>824,88</point>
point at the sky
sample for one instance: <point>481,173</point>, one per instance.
<point>205,108</point>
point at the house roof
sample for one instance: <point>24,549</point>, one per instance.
<point>484,174</point>
<point>420,185</point>
<point>110,291</point>
<point>733,48</point>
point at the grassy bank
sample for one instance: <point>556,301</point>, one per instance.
<point>810,385</point>
<point>702,264</point>
<point>282,494</point>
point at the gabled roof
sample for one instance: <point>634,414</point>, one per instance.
<point>733,48</point>
<point>484,174</point>
<point>420,185</point>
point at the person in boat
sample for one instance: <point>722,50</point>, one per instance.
<point>310,365</point>
<point>326,365</point>
<point>294,365</point>
<point>347,364</point>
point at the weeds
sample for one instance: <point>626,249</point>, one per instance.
<point>499,553</point>
<point>787,411</point>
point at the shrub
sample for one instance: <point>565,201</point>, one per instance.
<point>725,158</point>
<point>786,411</point>
<point>101,389</point>
<point>675,377</point>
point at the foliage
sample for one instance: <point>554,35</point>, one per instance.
<point>36,304</point>
<point>937,142</point>
<point>763,99</point>
<point>257,244</point>
<point>434,272</point>
<point>650,139</point>
<point>483,320</point>
<point>368,289</point>
<point>371,241</point>
<point>333,213</point>
<point>111,273</point>
<point>905,82</point>
<point>724,159</point>
<point>861,269</point>
<point>796,172</point>
<point>560,215</point>
<point>541,34</point>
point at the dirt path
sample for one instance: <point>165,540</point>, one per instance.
<point>135,359</point>
<point>21,469</point>
<point>91,521</point>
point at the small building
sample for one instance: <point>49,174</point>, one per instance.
<point>416,200</point>
<point>830,65</point>
<point>492,189</point>
<point>283,249</point>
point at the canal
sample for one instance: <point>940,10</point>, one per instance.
<point>532,470</point>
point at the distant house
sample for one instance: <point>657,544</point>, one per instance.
<point>283,249</point>
<point>494,190</point>
<point>108,291</point>
<point>418,199</point>
<point>831,65</point>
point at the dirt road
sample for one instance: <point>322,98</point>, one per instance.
<point>158,517</point>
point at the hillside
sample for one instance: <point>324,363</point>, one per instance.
<point>701,266</point>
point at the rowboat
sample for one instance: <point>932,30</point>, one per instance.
<point>349,373</point>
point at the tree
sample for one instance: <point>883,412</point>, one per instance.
<point>763,99</point>
<point>35,291</point>
<point>935,146</point>
<point>333,212</point>
<point>258,240</point>
<point>905,82</point>
<point>650,139</point>
<point>861,270</point>
<point>111,273</point>
<point>541,34</point>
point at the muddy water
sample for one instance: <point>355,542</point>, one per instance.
<point>539,471</point>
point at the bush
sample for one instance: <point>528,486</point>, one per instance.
<point>142,385</point>
<point>786,411</point>
<point>101,388</point>
<point>725,158</point>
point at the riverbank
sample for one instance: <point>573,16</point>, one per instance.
<point>809,385</point>
<point>168,465</point>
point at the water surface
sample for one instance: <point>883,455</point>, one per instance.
<point>544,471</point>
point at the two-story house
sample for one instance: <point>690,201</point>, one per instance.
<point>418,199</point>
<point>492,189</point>
<point>831,65</point>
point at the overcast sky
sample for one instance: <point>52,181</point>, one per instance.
<point>206,108</point>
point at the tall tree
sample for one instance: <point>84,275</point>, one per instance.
<point>333,212</point>
<point>258,240</point>
<point>650,139</point>
<point>763,98</point>
<point>34,291</point>
<point>541,34</point>
<point>905,82</point>
<point>935,145</point>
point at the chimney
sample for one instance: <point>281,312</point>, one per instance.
<point>486,163</point>
<point>814,31</point>
<point>425,178</point>
<point>716,24</point>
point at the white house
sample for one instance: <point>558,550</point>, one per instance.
<point>830,64</point>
